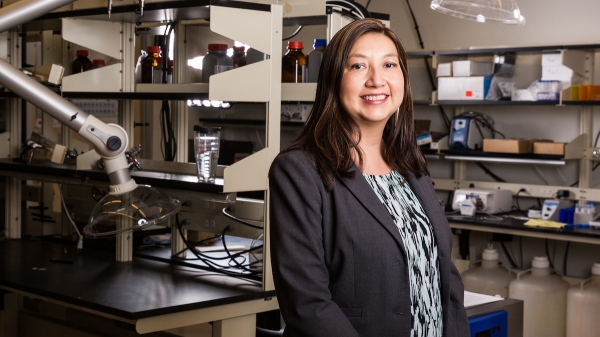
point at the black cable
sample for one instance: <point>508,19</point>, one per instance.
<point>442,111</point>
<point>368,3</point>
<point>548,253</point>
<point>167,136</point>
<point>565,260</point>
<point>510,259</point>
<point>490,173</point>
<point>294,33</point>
<point>593,169</point>
<point>211,265</point>
<point>521,251</point>
<point>239,220</point>
<point>517,198</point>
<point>596,141</point>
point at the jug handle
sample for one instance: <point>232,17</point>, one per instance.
<point>583,283</point>
<point>522,272</point>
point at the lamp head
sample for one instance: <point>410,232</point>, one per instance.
<point>504,12</point>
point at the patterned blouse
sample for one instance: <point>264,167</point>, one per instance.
<point>420,249</point>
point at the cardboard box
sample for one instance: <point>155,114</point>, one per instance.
<point>507,145</point>
<point>463,88</point>
<point>549,148</point>
<point>444,69</point>
<point>472,68</point>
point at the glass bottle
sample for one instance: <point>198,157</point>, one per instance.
<point>82,62</point>
<point>149,64</point>
<point>294,64</point>
<point>216,61</point>
<point>239,56</point>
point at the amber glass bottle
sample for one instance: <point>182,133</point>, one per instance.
<point>82,62</point>
<point>293,65</point>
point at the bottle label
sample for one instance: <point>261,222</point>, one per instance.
<point>222,68</point>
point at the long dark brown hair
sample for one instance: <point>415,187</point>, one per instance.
<point>331,135</point>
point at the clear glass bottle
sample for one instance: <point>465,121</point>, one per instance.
<point>294,64</point>
<point>239,56</point>
<point>216,61</point>
<point>82,62</point>
<point>150,63</point>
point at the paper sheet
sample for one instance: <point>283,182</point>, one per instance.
<point>473,299</point>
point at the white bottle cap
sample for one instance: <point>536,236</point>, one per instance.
<point>540,262</point>
<point>490,254</point>
<point>596,268</point>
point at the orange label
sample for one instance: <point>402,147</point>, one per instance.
<point>469,93</point>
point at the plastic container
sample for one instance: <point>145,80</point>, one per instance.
<point>98,64</point>
<point>239,56</point>
<point>206,144</point>
<point>490,278</point>
<point>293,65</point>
<point>545,300</point>
<point>583,306</point>
<point>314,59</point>
<point>82,62</point>
<point>149,64</point>
<point>216,61</point>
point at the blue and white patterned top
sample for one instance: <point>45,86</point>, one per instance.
<point>420,249</point>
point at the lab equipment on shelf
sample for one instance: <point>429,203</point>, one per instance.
<point>206,145</point>
<point>314,59</point>
<point>216,61</point>
<point>294,64</point>
<point>545,299</point>
<point>583,305</point>
<point>149,64</point>
<point>490,278</point>
<point>82,62</point>
<point>98,64</point>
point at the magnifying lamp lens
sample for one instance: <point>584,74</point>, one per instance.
<point>117,213</point>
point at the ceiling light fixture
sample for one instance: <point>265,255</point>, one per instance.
<point>496,11</point>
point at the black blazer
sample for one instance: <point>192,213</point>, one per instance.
<point>338,259</point>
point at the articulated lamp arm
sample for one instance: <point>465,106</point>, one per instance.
<point>109,140</point>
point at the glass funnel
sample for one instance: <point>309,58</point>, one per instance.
<point>130,211</point>
<point>496,11</point>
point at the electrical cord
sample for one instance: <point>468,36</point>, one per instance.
<point>210,265</point>
<point>294,33</point>
<point>224,211</point>
<point>517,198</point>
<point>490,173</point>
<point>167,136</point>
<point>64,205</point>
<point>548,254</point>
<point>565,260</point>
<point>441,109</point>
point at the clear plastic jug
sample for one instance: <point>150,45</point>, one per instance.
<point>490,278</point>
<point>583,306</point>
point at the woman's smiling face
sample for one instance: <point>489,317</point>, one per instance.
<point>372,86</point>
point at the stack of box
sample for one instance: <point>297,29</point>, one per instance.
<point>464,80</point>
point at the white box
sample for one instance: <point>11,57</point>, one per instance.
<point>472,68</point>
<point>552,59</point>
<point>558,73</point>
<point>444,69</point>
<point>521,95</point>
<point>463,88</point>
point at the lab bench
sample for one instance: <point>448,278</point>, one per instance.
<point>145,295</point>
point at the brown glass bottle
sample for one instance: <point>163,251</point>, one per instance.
<point>82,62</point>
<point>293,64</point>
<point>239,56</point>
<point>149,64</point>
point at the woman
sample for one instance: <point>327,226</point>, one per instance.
<point>359,243</point>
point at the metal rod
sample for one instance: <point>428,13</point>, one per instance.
<point>27,10</point>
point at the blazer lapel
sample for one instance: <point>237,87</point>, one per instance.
<point>367,197</point>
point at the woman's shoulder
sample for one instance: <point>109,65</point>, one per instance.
<point>293,157</point>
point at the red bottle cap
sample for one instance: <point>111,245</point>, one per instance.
<point>153,49</point>
<point>82,52</point>
<point>217,46</point>
<point>98,63</point>
<point>239,48</point>
<point>170,63</point>
<point>295,45</point>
